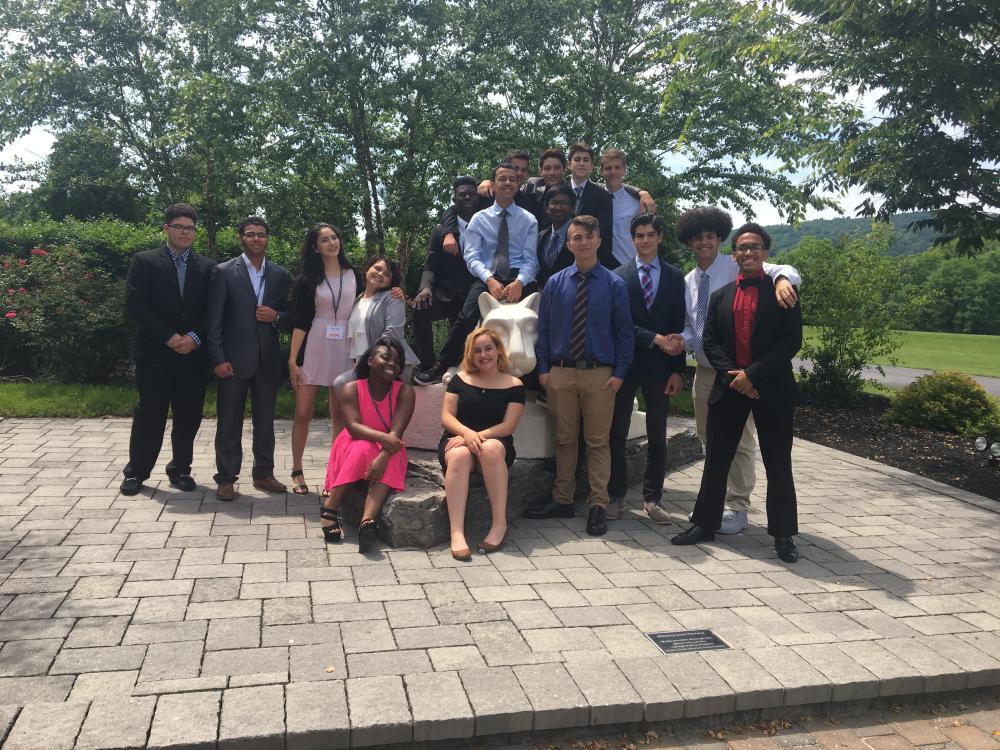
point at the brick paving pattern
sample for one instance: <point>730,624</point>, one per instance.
<point>169,619</point>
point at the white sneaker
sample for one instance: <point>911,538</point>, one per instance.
<point>657,513</point>
<point>733,521</point>
<point>614,508</point>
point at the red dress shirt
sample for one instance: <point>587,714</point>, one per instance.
<point>744,308</point>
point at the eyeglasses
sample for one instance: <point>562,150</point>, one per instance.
<point>754,248</point>
<point>556,202</point>
<point>184,228</point>
<point>255,235</point>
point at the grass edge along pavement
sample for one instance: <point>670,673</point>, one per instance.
<point>973,354</point>
<point>27,400</point>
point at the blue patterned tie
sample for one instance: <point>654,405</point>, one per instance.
<point>699,324</point>
<point>180,263</point>
<point>554,248</point>
<point>579,198</point>
<point>646,280</point>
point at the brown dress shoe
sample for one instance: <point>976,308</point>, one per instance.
<point>226,492</point>
<point>269,484</point>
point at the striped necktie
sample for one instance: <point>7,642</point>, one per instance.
<point>646,281</point>
<point>578,331</point>
<point>699,323</point>
<point>579,198</point>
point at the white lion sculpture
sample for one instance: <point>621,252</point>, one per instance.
<point>517,325</point>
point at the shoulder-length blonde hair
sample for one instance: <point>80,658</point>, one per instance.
<point>467,363</point>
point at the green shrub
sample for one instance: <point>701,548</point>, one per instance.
<point>62,319</point>
<point>107,244</point>
<point>948,401</point>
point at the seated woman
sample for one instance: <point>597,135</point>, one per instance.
<point>481,409</point>
<point>378,313</point>
<point>376,409</point>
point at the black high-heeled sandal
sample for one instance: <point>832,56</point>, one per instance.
<point>367,536</point>
<point>299,487</point>
<point>329,521</point>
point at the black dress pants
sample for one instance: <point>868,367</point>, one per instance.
<point>657,404</point>
<point>726,419</point>
<point>451,353</point>
<point>423,331</point>
<point>231,404</point>
<point>178,387</point>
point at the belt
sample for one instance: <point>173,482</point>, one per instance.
<point>579,364</point>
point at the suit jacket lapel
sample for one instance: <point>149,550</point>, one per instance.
<point>241,270</point>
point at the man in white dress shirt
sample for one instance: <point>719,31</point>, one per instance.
<point>703,229</point>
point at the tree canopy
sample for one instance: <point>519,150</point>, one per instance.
<point>932,69</point>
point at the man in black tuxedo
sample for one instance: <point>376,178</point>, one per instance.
<point>445,280</point>
<point>553,254</point>
<point>248,304</point>
<point>750,341</point>
<point>167,295</point>
<point>591,199</point>
<point>656,299</point>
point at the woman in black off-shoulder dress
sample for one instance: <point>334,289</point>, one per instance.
<point>481,409</point>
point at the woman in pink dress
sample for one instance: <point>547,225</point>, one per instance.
<point>376,408</point>
<point>323,298</point>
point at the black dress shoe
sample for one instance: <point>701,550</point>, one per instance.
<point>695,535</point>
<point>183,482</point>
<point>549,509</point>
<point>130,486</point>
<point>786,549</point>
<point>597,521</point>
<point>428,377</point>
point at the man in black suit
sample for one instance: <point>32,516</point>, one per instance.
<point>553,254</point>
<point>166,295</point>
<point>248,304</point>
<point>445,280</point>
<point>591,199</point>
<point>750,341</point>
<point>656,299</point>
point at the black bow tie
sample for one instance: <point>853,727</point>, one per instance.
<point>752,281</point>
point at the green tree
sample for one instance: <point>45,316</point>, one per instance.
<point>171,84</point>
<point>934,142</point>
<point>846,298</point>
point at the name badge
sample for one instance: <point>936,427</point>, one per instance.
<point>335,332</point>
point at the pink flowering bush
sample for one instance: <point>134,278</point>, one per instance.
<point>62,320</point>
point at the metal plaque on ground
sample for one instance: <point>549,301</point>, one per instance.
<point>686,640</point>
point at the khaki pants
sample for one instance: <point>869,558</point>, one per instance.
<point>742,476</point>
<point>573,394</point>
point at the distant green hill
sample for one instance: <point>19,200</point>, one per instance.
<point>784,237</point>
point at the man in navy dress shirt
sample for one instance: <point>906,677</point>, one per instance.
<point>584,349</point>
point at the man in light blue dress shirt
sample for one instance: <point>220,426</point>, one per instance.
<point>500,252</point>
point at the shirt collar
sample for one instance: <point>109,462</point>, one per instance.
<point>183,257</point>
<point>573,185</point>
<point>496,208</point>
<point>655,262</point>
<point>250,268</point>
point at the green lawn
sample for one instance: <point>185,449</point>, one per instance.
<point>974,355</point>
<point>90,401</point>
<point>86,401</point>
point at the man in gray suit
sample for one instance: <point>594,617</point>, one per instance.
<point>247,305</point>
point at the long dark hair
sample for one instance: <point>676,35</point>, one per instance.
<point>311,263</point>
<point>362,370</point>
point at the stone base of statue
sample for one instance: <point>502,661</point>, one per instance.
<point>418,516</point>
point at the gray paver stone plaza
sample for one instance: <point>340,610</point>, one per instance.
<point>253,718</point>
<point>116,723</point>
<point>440,708</point>
<point>379,711</point>
<point>316,716</point>
<point>172,620</point>
<point>186,720</point>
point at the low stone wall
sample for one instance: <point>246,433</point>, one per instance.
<point>417,516</point>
